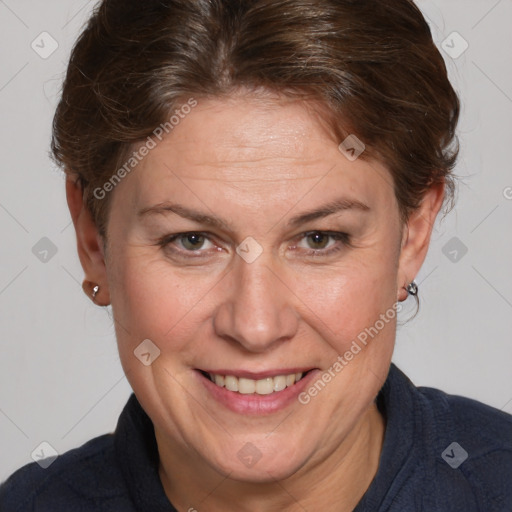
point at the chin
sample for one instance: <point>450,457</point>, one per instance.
<point>251,465</point>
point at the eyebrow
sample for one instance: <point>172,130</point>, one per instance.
<point>184,212</point>
<point>339,205</point>
<point>331,208</point>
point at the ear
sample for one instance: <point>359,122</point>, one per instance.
<point>416,237</point>
<point>89,244</point>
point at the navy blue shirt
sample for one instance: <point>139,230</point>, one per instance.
<point>441,453</point>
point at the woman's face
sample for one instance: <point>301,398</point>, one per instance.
<point>291,258</point>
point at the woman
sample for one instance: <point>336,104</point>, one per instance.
<point>253,186</point>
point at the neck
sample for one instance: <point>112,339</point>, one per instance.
<point>336,481</point>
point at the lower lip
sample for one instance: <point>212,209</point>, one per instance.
<point>254,403</point>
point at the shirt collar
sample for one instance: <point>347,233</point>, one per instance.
<point>137,453</point>
<point>396,403</point>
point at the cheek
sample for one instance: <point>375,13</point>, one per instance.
<point>152,300</point>
<point>351,299</point>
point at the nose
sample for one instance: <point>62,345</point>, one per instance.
<point>256,310</point>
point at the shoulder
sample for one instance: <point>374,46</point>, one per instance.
<point>76,479</point>
<point>470,447</point>
<point>442,451</point>
<point>490,428</point>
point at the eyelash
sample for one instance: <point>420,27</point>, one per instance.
<point>338,236</point>
<point>166,241</point>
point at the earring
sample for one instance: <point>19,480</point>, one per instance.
<point>95,291</point>
<point>412,288</point>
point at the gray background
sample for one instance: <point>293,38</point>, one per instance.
<point>60,377</point>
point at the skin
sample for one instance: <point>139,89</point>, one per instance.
<point>255,162</point>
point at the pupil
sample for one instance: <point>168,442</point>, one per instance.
<point>193,241</point>
<point>319,240</point>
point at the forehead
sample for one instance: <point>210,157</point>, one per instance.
<point>249,131</point>
<point>254,148</point>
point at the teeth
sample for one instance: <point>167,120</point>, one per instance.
<point>265,386</point>
<point>260,387</point>
<point>279,383</point>
<point>231,383</point>
<point>246,386</point>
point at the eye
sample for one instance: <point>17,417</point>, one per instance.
<point>187,242</point>
<point>322,243</point>
<point>318,240</point>
<point>192,241</point>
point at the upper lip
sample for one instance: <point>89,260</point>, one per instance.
<point>258,375</point>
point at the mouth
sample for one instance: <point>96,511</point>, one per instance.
<point>256,393</point>
<point>266,385</point>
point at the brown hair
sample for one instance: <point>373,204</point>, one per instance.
<point>373,65</point>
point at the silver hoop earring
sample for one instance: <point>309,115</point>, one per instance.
<point>95,291</point>
<point>412,288</point>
